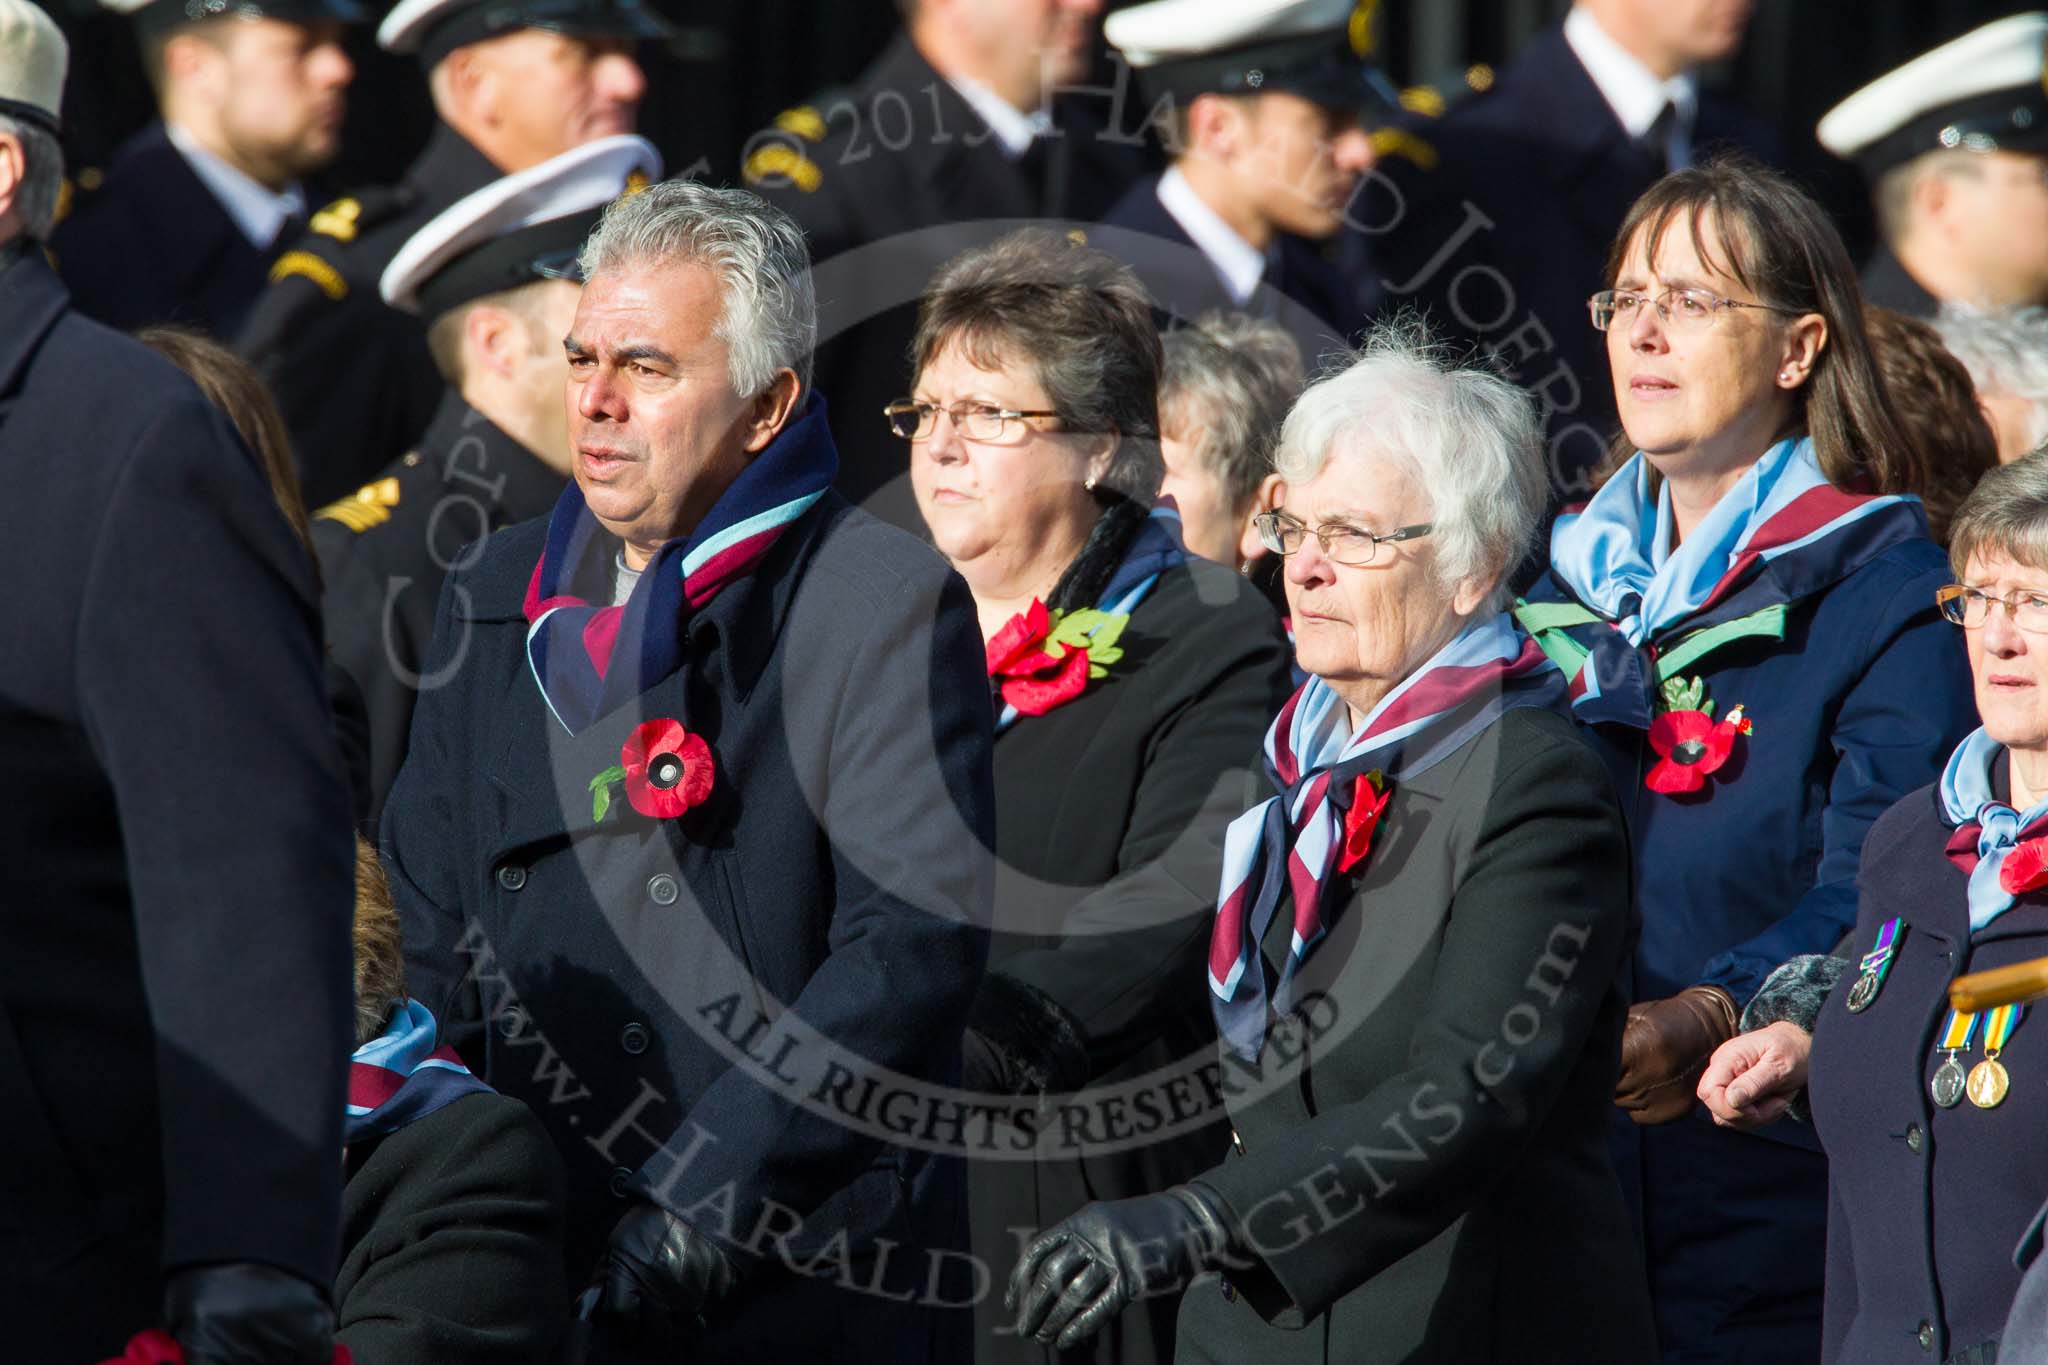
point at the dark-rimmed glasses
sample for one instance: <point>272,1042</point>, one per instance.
<point>914,421</point>
<point>1352,545</point>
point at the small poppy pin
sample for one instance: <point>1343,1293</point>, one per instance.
<point>1690,745</point>
<point>1368,801</point>
<point>666,771</point>
<point>2026,867</point>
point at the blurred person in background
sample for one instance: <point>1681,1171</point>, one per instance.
<point>171,801</point>
<point>1937,406</point>
<point>1032,429</point>
<point>187,220</point>
<point>1225,384</point>
<point>2006,354</point>
<point>1746,608</point>
<point>514,83</point>
<point>1267,104</point>
<point>977,109</point>
<point>1497,218</point>
<point>494,279</point>
<point>1954,145</point>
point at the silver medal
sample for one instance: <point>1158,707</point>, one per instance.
<point>1948,1082</point>
<point>1863,992</point>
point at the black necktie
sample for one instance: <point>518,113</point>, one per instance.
<point>1656,139</point>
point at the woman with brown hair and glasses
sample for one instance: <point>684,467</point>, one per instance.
<point>1746,610</point>
<point>1129,683</point>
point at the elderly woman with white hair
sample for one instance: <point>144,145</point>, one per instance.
<point>2006,354</point>
<point>1420,949</point>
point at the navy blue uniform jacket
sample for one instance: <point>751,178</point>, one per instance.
<point>1924,1204</point>
<point>1498,223</point>
<point>175,992</point>
<point>733,1012</point>
<point>1301,290</point>
<point>152,244</point>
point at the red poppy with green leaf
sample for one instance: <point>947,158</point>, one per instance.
<point>666,771</point>
<point>1690,744</point>
<point>1042,659</point>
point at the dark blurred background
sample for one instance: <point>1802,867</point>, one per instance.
<point>743,61</point>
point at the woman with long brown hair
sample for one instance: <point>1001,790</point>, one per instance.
<point>1746,610</point>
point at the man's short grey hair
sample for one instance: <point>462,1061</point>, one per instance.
<point>1892,196</point>
<point>768,314</point>
<point>1469,437</point>
<point>1224,390</point>
<point>36,198</point>
<point>2005,514</point>
<point>2006,353</point>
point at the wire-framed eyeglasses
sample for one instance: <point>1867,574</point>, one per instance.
<point>915,421</point>
<point>1352,545</point>
<point>1970,609</point>
<point>1681,309</point>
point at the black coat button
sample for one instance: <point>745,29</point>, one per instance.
<point>1925,1336</point>
<point>511,876</point>
<point>633,1038</point>
<point>511,1021</point>
<point>1915,1140</point>
<point>1229,1290</point>
<point>662,889</point>
<point>620,1175</point>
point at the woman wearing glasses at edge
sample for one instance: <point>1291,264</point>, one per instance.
<point>1420,947</point>
<point>1746,611</point>
<point>1124,730</point>
<point>1932,1119</point>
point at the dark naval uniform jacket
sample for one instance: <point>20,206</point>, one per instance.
<point>1925,1204</point>
<point>1301,289</point>
<point>1110,812</point>
<point>385,550</point>
<point>152,245</point>
<point>1498,224</point>
<point>739,1013</point>
<point>890,178</point>
<point>1419,1152</point>
<point>175,990</point>
<point>352,377</point>
<point>1862,700</point>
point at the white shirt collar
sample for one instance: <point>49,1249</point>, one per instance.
<point>1630,88</point>
<point>1013,129</point>
<point>256,209</point>
<point>1239,262</point>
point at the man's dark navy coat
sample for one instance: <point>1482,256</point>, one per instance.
<point>715,1011</point>
<point>175,1011</point>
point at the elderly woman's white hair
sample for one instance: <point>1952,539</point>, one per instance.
<point>1469,437</point>
<point>2006,353</point>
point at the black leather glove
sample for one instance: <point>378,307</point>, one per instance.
<point>658,1275</point>
<point>242,1313</point>
<point>1085,1269</point>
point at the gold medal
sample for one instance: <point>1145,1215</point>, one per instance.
<point>1988,1083</point>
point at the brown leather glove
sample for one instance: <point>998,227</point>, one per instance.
<point>1664,1049</point>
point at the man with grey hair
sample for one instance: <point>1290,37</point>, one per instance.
<point>171,811</point>
<point>687,841</point>
<point>2007,357</point>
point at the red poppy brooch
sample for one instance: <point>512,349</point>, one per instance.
<point>1368,801</point>
<point>158,1347</point>
<point>1690,743</point>
<point>2025,868</point>
<point>1042,659</point>
<point>666,769</point>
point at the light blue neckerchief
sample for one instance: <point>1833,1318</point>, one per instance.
<point>1616,555</point>
<point>1967,799</point>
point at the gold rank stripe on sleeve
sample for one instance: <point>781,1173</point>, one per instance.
<point>337,220</point>
<point>310,265</point>
<point>803,121</point>
<point>368,506</point>
<point>1400,142</point>
<point>777,164</point>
